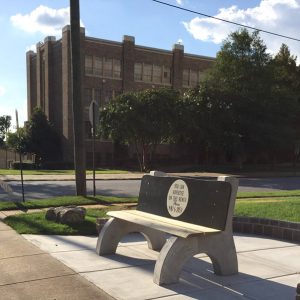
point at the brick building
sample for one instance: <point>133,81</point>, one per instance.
<point>109,68</point>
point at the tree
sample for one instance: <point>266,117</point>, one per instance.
<point>17,141</point>
<point>204,122</point>
<point>143,119</point>
<point>41,138</point>
<point>239,86</point>
<point>5,123</point>
<point>284,106</point>
<point>248,106</point>
<point>193,122</point>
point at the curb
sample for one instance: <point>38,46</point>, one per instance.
<point>289,231</point>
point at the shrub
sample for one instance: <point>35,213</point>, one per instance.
<point>25,165</point>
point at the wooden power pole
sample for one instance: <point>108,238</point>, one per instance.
<point>78,125</point>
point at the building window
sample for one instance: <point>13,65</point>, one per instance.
<point>108,95</point>
<point>201,76</point>
<point>98,66</point>
<point>107,67</point>
<point>97,96</point>
<point>193,78</point>
<point>117,68</point>
<point>102,66</point>
<point>166,75</point>
<point>138,71</point>
<point>157,74</point>
<point>89,65</point>
<point>152,73</point>
<point>88,96</point>
<point>185,78</point>
<point>147,73</point>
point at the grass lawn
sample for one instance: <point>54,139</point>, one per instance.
<point>275,205</point>
<point>277,208</point>
<point>64,201</point>
<point>291,193</point>
<point>35,223</point>
<point>58,172</point>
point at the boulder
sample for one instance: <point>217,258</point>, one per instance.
<point>50,214</point>
<point>100,222</point>
<point>66,214</point>
<point>298,292</point>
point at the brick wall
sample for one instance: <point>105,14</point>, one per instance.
<point>283,230</point>
<point>49,75</point>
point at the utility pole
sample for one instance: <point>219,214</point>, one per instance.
<point>78,125</point>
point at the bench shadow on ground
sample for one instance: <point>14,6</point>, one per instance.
<point>197,278</point>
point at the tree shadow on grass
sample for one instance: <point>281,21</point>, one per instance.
<point>26,224</point>
<point>20,206</point>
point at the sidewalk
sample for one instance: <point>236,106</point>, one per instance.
<point>68,177</point>
<point>28,273</point>
<point>268,269</point>
<point>138,175</point>
<point>67,267</point>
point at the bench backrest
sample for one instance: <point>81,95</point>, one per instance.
<point>197,201</point>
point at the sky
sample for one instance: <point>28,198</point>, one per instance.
<point>25,23</point>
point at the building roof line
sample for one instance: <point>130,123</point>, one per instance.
<point>152,49</point>
<point>103,41</point>
<point>196,56</point>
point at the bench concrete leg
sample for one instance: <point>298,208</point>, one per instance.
<point>177,251</point>
<point>171,259</point>
<point>114,229</point>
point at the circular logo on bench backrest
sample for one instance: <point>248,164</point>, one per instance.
<point>178,197</point>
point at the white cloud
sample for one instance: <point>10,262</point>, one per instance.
<point>179,2</point>
<point>279,16</point>
<point>43,19</point>
<point>2,90</point>
<point>180,41</point>
<point>31,48</point>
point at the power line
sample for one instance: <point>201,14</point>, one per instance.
<point>226,21</point>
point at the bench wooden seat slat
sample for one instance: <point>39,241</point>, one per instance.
<point>174,227</point>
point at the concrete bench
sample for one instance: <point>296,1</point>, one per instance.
<point>180,217</point>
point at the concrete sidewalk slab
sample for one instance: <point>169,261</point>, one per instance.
<point>70,177</point>
<point>268,269</point>
<point>29,273</point>
<point>73,287</point>
<point>30,268</point>
<point>13,245</point>
<point>2,217</point>
<point>3,227</point>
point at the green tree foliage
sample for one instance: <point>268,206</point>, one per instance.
<point>143,119</point>
<point>41,138</point>
<point>5,123</point>
<point>239,85</point>
<point>206,122</point>
<point>247,107</point>
<point>284,106</point>
<point>17,141</point>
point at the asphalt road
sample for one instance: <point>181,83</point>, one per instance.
<point>47,189</point>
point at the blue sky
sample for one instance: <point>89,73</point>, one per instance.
<point>24,23</point>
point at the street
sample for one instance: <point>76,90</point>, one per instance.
<point>48,189</point>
